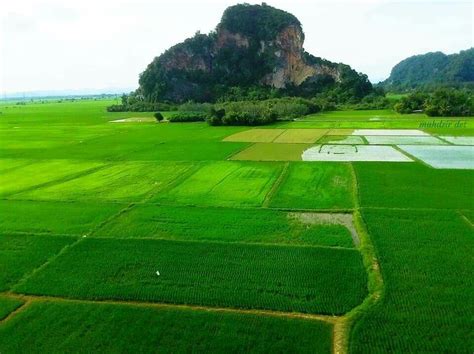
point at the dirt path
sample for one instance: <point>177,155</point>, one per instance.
<point>16,311</point>
<point>29,299</point>
<point>465,218</point>
<point>375,284</point>
<point>276,185</point>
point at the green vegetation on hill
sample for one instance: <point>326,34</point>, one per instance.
<point>239,61</point>
<point>432,70</point>
<point>257,22</point>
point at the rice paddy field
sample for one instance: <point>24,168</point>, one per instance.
<point>340,232</point>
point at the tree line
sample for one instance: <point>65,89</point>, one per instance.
<point>440,103</point>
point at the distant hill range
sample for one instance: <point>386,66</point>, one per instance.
<point>255,50</point>
<point>64,93</point>
<point>432,70</point>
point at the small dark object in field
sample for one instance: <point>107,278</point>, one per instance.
<point>158,116</point>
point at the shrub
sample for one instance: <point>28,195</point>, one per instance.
<point>410,103</point>
<point>372,101</point>
<point>215,116</point>
<point>185,117</point>
<point>260,112</point>
<point>442,102</point>
<point>293,107</point>
<point>260,117</point>
<point>325,104</point>
<point>117,108</point>
<point>141,106</point>
<point>243,113</point>
<point>195,107</point>
<point>158,116</point>
<point>450,103</point>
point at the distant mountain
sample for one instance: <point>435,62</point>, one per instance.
<point>65,93</point>
<point>432,70</point>
<point>255,50</point>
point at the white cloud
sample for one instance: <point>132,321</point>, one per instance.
<point>52,44</point>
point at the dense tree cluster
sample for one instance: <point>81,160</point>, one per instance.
<point>134,102</point>
<point>260,112</point>
<point>244,112</point>
<point>440,103</point>
<point>450,103</point>
<point>411,103</point>
<point>185,117</point>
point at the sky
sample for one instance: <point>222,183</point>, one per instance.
<point>97,44</point>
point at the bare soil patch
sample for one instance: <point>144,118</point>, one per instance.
<point>346,220</point>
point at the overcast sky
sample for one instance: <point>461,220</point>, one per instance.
<point>78,44</point>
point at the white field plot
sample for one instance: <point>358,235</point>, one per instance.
<point>392,132</point>
<point>403,140</point>
<point>350,139</point>
<point>443,157</point>
<point>459,140</point>
<point>135,120</point>
<point>354,153</point>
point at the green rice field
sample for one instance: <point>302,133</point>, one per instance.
<point>8,305</point>
<point>302,279</point>
<point>207,224</point>
<point>425,260</point>
<point>187,238</point>
<point>139,328</point>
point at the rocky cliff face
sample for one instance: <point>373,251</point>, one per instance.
<point>252,46</point>
<point>186,59</point>
<point>291,67</point>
